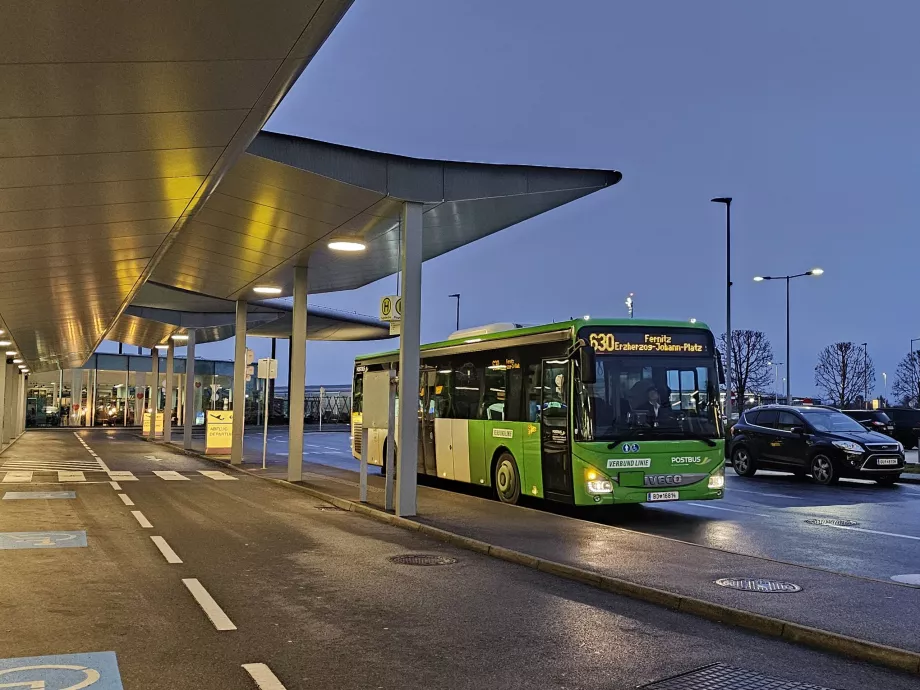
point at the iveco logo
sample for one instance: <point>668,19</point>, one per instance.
<point>663,479</point>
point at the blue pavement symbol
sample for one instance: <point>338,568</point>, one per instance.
<point>41,540</point>
<point>24,495</point>
<point>98,671</point>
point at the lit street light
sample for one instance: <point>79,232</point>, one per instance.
<point>776,366</point>
<point>629,304</point>
<point>727,200</point>
<point>885,379</point>
<point>758,279</point>
<point>865,347</point>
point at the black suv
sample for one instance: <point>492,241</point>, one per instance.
<point>819,441</point>
<point>873,420</point>
<point>906,424</point>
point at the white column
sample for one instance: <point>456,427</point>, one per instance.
<point>21,421</point>
<point>3,406</point>
<point>140,383</point>
<point>298,369</point>
<point>154,404</point>
<point>410,263</point>
<point>91,376</point>
<point>168,406</point>
<point>9,397</point>
<point>189,411</point>
<point>76,395</point>
<point>239,385</point>
<point>127,401</point>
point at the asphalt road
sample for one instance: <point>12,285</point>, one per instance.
<point>762,516</point>
<point>269,578</point>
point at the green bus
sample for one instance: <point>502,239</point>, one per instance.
<point>586,412</point>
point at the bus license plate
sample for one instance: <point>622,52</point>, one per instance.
<point>663,496</point>
<point>887,461</point>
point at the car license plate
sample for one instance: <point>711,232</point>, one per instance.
<point>663,496</point>
<point>887,461</point>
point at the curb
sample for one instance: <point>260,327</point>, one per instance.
<point>796,633</point>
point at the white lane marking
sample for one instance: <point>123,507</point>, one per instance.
<point>170,476</point>
<point>761,493</point>
<point>727,510</point>
<point>71,476</point>
<point>122,476</point>
<point>126,499</point>
<point>166,550</point>
<point>115,485</point>
<point>875,531</point>
<point>141,519</point>
<point>218,475</point>
<point>17,477</point>
<point>263,676</point>
<point>208,605</point>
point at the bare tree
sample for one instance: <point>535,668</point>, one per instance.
<point>845,372</point>
<point>907,380</point>
<point>751,357</point>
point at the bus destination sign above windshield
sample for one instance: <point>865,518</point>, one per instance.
<point>647,343</point>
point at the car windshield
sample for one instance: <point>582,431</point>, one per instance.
<point>831,420</point>
<point>649,397</point>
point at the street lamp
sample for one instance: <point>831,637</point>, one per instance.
<point>629,304</point>
<point>727,200</point>
<point>776,366</point>
<point>865,347</point>
<point>885,385</point>
<point>457,295</point>
<point>758,279</point>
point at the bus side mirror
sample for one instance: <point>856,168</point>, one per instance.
<point>587,364</point>
<point>721,369</point>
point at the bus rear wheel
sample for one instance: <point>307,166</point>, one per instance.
<point>506,480</point>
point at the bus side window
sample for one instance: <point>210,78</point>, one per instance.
<point>534,393</point>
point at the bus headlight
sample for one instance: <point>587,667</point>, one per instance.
<point>600,486</point>
<point>717,479</point>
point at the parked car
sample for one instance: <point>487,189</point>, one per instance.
<point>906,424</point>
<point>819,441</point>
<point>873,420</point>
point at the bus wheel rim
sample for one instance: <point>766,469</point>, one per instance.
<point>505,478</point>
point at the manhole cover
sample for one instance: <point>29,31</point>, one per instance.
<point>749,584</point>
<point>332,509</point>
<point>832,523</point>
<point>422,559</point>
<point>726,677</point>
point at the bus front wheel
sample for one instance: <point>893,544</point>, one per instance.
<point>506,480</point>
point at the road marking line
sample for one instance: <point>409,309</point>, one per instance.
<point>263,676</point>
<point>218,475</point>
<point>727,510</point>
<point>115,485</point>
<point>761,493</point>
<point>874,531</point>
<point>142,521</point>
<point>122,476</point>
<point>126,499</point>
<point>170,476</point>
<point>208,605</point>
<point>166,550</point>
<point>71,476</point>
<point>17,477</point>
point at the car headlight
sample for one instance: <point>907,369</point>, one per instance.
<point>900,447</point>
<point>600,486</point>
<point>849,446</point>
<point>717,479</point>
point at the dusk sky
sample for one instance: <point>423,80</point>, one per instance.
<point>805,112</point>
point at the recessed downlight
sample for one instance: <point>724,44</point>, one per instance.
<point>180,336</point>
<point>162,347</point>
<point>17,361</point>
<point>11,353</point>
<point>267,290</point>
<point>347,245</point>
<point>5,343</point>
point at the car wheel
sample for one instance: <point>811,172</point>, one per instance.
<point>823,470</point>
<point>506,480</point>
<point>887,481</point>
<point>743,462</point>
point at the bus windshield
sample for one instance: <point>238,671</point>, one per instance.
<point>651,397</point>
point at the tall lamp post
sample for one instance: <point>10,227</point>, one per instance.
<point>727,200</point>
<point>629,304</point>
<point>812,272</point>
<point>776,366</point>
<point>885,385</point>
<point>865,347</point>
<point>457,295</point>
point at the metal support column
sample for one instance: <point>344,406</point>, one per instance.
<point>9,430</point>
<point>76,395</point>
<point>410,263</point>
<point>154,404</point>
<point>167,405</point>
<point>4,367</point>
<point>298,369</point>
<point>239,385</point>
<point>189,411</point>
<point>21,406</point>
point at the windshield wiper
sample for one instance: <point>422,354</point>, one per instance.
<point>625,436</point>
<point>699,437</point>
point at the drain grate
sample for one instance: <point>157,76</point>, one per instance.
<point>833,523</point>
<point>422,559</point>
<point>331,509</point>
<point>725,677</point>
<point>750,584</point>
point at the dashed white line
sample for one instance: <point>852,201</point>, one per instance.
<point>122,476</point>
<point>166,550</point>
<point>141,519</point>
<point>727,510</point>
<point>263,676</point>
<point>170,476</point>
<point>218,475</point>
<point>731,490</point>
<point>126,499</point>
<point>875,531</point>
<point>208,605</point>
<point>115,485</point>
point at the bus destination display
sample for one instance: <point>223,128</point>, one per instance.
<point>606,341</point>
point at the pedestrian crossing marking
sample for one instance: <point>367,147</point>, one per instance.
<point>110,477</point>
<point>69,476</point>
<point>17,477</point>
<point>170,475</point>
<point>122,476</point>
<point>217,475</point>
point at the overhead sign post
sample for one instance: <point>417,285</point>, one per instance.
<point>391,312</point>
<point>268,369</point>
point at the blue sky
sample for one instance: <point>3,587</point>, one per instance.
<point>805,113</point>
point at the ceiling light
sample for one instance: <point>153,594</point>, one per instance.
<point>2,331</point>
<point>179,336</point>
<point>23,366</point>
<point>347,245</point>
<point>162,347</point>
<point>267,290</point>
<point>5,343</point>
<point>17,361</point>
<point>11,353</point>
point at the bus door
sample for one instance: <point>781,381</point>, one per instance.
<point>555,440</point>
<point>429,412</point>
